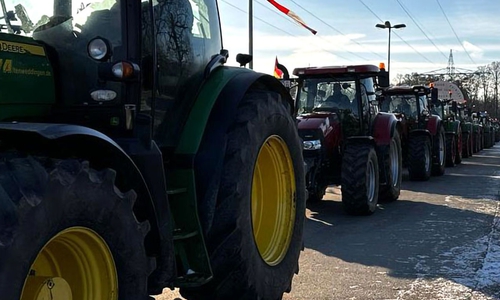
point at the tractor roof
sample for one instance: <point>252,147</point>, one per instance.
<point>407,90</point>
<point>336,70</point>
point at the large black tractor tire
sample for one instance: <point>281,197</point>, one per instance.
<point>393,165</point>
<point>487,140</point>
<point>419,158</point>
<point>360,179</point>
<point>257,204</point>
<point>466,145</point>
<point>459,147</point>
<point>475,142</point>
<point>439,153</point>
<point>451,152</point>
<point>67,227</point>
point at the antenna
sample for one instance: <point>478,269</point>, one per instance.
<point>451,65</point>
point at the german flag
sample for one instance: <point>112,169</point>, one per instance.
<point>277,72</point>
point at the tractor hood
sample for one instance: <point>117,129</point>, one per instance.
<point>321,121</point>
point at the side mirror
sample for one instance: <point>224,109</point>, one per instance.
<point>454,106</point>
<point>434,95</point>
<point>243,59</point>
<point>383,78</point>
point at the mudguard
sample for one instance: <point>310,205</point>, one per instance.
<point>63,141</point>
<point>420,132</point>
<point>452,127</point>
<point>210,153</point>
<point>383,128</point>
<point>433,124</point>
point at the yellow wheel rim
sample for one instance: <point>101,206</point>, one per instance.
<point>273,200</point>
<point>76,264</point>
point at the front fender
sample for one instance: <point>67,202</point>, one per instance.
<point>452,127</point>
<point>420,132</point>
<point>433,124</point>
<point>203,140</point>
<point>383,128</point>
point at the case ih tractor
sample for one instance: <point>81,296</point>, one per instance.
<point>132,159</point>
<point>347,141</point>
<point>448,110</point>
<point>423,134</point>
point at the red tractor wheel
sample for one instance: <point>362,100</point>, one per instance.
<point>419,158</point>
<point>451,152</point>
<point>439,153</point>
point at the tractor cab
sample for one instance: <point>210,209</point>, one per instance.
<point>348,92</point>
<point>409,103</point>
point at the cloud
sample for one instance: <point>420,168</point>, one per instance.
<point>473,50</point>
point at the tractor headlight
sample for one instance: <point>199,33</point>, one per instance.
<point>98,49</point>
<point>311,145</point>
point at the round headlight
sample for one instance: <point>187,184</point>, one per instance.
<point>98,49</point>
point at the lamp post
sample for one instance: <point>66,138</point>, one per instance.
<point>387,25</point>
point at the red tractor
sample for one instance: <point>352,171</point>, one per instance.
<point>422,133</point>
<point>346,139</point>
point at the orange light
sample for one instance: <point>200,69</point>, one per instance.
<point>123,70</point>
<point>381,65</point>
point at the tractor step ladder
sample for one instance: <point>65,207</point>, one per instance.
<point>187,232</point>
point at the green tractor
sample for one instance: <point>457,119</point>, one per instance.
<point>453,129</point>
<point>477,134</point>
<point>496,125</point>
<point>460,111</point>
<point>489,130</point>
<point>133,159</point>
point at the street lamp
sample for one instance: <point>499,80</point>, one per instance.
<point>387,25</point>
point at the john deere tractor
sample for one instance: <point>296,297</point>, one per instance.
<point>133,159</point>
<point>422,133</point>
<point>447,109</point>
<point>347,141</point>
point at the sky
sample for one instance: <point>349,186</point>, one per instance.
<point>347,34</point>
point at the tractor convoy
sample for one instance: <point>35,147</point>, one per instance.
<point>133,159</point>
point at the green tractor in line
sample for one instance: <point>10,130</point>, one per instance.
<point>460,111</point>
<point>133,159</point>
<point>489,129</point>
<point>478,135</point>
<point>448,111</point>
<point>496,124</point>
<point>422,133</point>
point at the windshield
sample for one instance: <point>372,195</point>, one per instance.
<point>66,27</point>
<point>404,104</point>
<point>326,95</point>
<point>442,109</point>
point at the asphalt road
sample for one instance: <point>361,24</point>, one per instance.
<point>440,240</point>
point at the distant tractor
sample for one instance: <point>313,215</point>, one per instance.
<point>460,111</point>
<point>346,139</point>
<point>489,130</point>
<point>423,133</point>
<point>478,133</point>
<point>133,159</point>
<point>447,109</point>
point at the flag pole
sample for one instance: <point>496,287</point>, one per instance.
<point>250,31</point>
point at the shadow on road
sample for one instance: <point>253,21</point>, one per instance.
<point>424,235</point>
